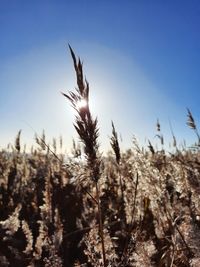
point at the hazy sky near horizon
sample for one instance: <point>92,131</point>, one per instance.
<point>141,58</point>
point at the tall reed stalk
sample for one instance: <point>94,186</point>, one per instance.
<point>88,132</point>
<point>191,123</point>
<point>116,148</point>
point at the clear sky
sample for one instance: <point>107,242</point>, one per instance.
<point>141,58</point>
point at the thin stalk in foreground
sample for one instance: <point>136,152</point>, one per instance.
<point>101,225</point>
<point>88,132</point>
<point>131,226</point>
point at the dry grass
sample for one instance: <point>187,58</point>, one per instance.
<point>135,208</point>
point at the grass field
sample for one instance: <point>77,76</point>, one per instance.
<point>136,208</point>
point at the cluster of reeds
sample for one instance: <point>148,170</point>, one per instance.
<point>128,209</point>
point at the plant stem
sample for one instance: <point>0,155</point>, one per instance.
<point>101,225</point>
<point>197,133</point>
<point>130,229</point>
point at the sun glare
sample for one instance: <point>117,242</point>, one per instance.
<point>81,104</point>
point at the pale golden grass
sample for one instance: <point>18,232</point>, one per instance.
<point>139,207</point>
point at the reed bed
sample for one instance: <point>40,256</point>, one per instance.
<point>139,207</point>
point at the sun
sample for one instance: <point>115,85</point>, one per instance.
<point>82,103</point>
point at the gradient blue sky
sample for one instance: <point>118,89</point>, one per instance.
<point>142,59</point>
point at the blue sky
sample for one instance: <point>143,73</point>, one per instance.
<point>141,58</point>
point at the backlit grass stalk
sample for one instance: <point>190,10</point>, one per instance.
<point>173,136</point>
<point>191,123</point>
<point>17,142</point>
<point>159,135</point>
<point>88,132</point>
<point>115,146</point>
